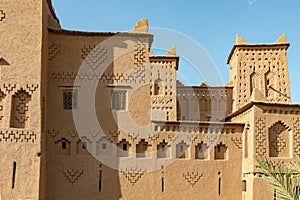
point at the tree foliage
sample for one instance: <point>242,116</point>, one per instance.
<point>284,178</point>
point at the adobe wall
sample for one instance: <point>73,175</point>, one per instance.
<point>203,103</point>
<point>21,63</point>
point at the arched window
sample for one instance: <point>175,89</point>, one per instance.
<point>63,147</point>
<point>84,146</point>
<point>141,149</point>
<point>221,152</point>
<point>20,109</point>
<point>158,87</point>
<point>279,140</point>
<point>254,82</point>
<point>201,151</point>
<point>163,150</point>
<point>269,81</point>
<point>182,150</point>
<point>104,147</point>
<point>123,148</point>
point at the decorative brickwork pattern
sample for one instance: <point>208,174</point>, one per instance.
<point>237,141</point>
<point>9,87</point>
<point>140,53</point>
<point>133,175</point>
<point>17,136</point>
<point>114,134</point>
<point>135,77</point>
<point>296,128</point>
<point>53,50</point>
<point>20,109</point>
<point>32,87</point>
<point>212,138</point>
<point>97,57</point>
<point>162,101</point>
<point>2,15</point>
<point>86,49</point>
<point>192,177</point>
<point>2,96</point>
<point>72,175</point>
<point>53,133</point>
<point>56,135</point>
<point>260,137</point>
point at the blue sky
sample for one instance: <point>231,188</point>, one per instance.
<point>213,24</point>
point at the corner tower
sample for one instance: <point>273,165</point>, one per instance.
<point>259,72</point>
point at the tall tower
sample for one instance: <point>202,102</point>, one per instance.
<point>259,72</point>
<point>23,27</point>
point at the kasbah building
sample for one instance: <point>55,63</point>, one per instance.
<point>81,119</point>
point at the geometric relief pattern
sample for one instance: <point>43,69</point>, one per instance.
<point>17,136</point>
<point>237,141</point>
<point>20,109</point>
<point>96,57</point>
<point>2,15</point>
<point>53,50</point>
<point>140,60</point>
<point>278,140</point>
<point>296,128</point>
<point>32,87</point>
<point>260,137</point>
<point>135,77</point>
<point>56,134</point>
<point>86,49</point>
<point>72,175</point>
<point>192,177</point>
<point>133,175</point>
<point>2,96</point>
<point>9,87</point>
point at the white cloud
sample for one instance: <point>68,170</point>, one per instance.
<point>250,2</point>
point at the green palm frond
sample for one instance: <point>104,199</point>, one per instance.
<point>294,167</point>
<point>282,181</point>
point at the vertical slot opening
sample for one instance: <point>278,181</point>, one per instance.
<point>219,187</point>
<point>162,184</point>
<point>100,180</point>
<point>14,175</point>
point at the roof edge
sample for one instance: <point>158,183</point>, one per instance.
<point>252,103</point>
<point>74,32</point>
<point>286,45</point>
<point>198,122</point>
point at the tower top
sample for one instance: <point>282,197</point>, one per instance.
<point>242,43</point>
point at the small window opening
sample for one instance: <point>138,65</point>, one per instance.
<point>84,145</point>
<point>64,145</point>
<point>124,147</point>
